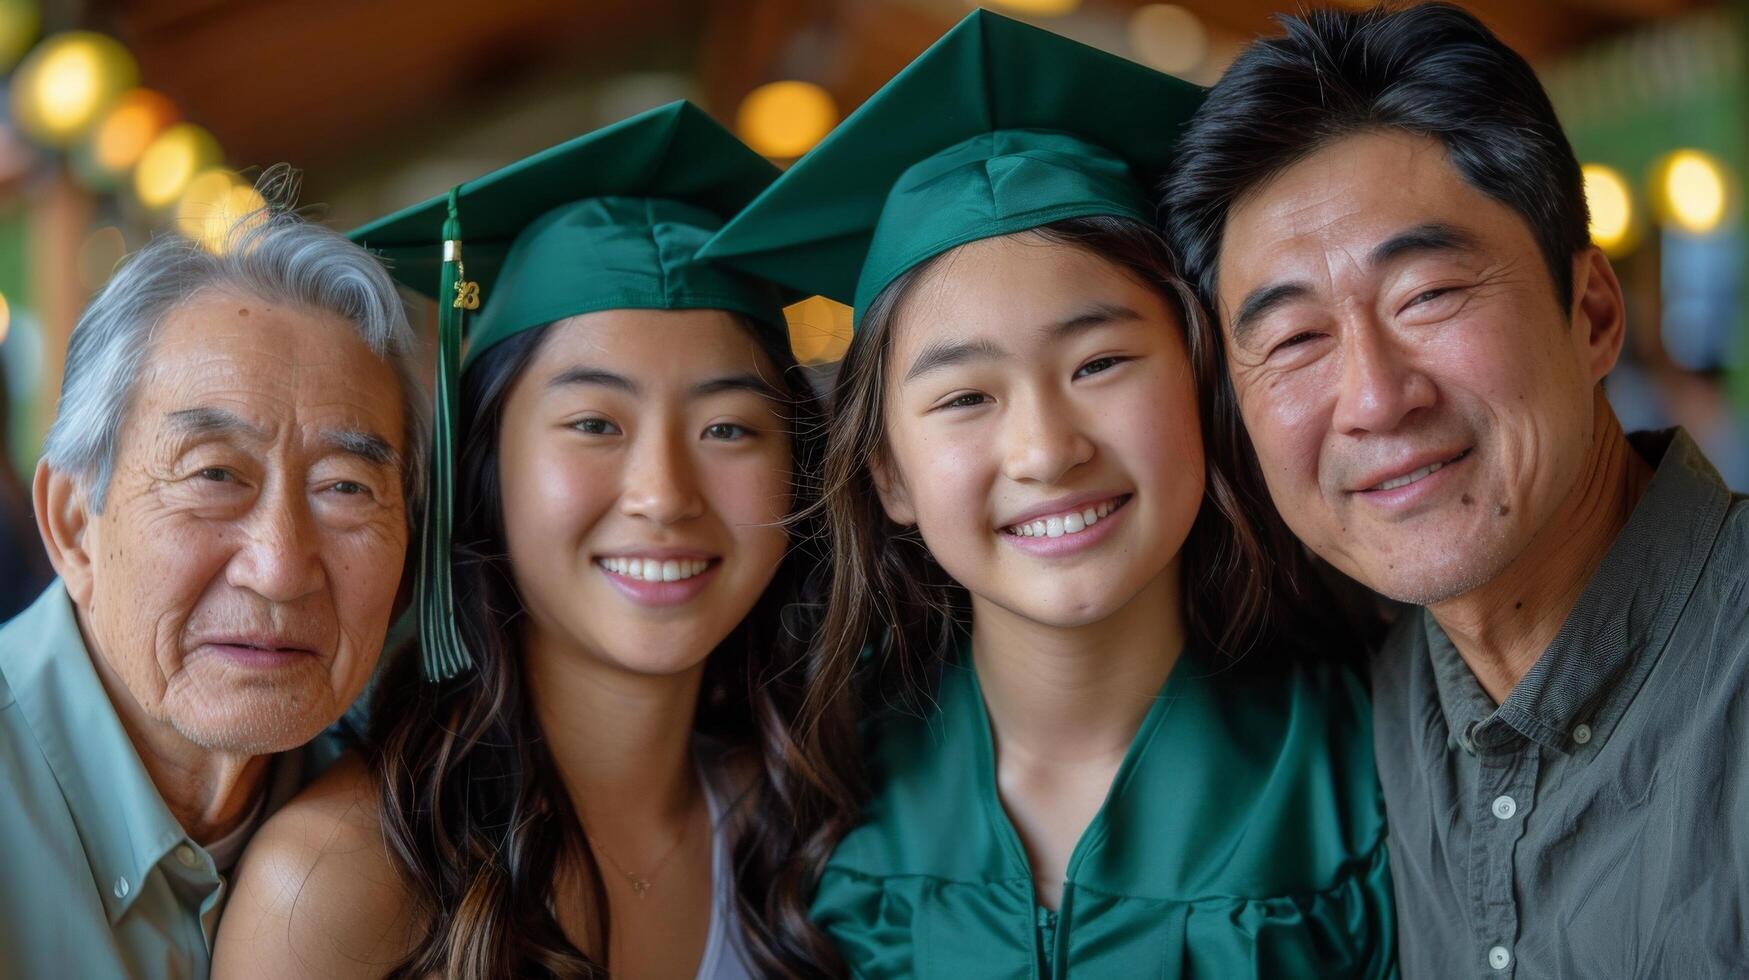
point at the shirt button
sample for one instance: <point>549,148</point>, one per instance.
<point>1499,958</point>
<point>186,855</point>
<point>1582,734</point>
<point>1504,808</point>
<point>122,888</point>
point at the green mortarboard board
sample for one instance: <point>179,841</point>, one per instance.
<point>610,220</point>
<point>997,128</point>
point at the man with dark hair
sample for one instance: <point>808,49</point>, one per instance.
<point>1383,213</point>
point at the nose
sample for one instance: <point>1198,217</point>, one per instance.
<point>1042,440</point>
<point>661,482</point>
<point>280,557</point>
<point>1380,384</point>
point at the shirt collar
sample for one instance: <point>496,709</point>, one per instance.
<point>123,823</point>
<point>1618,627</point>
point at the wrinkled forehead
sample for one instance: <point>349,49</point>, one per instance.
<point>1324,215</point>
<point>276,367</point>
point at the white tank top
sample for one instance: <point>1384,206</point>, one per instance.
<point>725,956</point>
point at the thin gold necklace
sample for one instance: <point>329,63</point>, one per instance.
<point>641,882</point>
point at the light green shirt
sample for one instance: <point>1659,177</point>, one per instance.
<point>98,878</point>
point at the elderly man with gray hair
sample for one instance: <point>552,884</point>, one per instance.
<point>224,495</point>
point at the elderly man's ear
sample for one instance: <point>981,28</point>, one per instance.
<point>63,519</point>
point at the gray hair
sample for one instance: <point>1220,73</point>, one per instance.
<point>275,254</point>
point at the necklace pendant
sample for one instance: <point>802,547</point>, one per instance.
<point>640,885</point>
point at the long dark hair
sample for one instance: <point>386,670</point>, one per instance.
<point>476,817</point>
<point>1251,593</point>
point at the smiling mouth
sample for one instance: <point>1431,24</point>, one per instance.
<point>1416,476</point>
<point>653,570</point>
<point>1068,522</point>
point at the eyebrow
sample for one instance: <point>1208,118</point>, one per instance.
<point>948,353</point>
<point>367,446</point>
<point>736,382</point>
<point>208,421</point>
<point>619,382</point>
<point>1097,315</point>
<point>1433,236</point>
<point>594,376</point>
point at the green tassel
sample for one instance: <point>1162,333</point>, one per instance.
<point>443,652</point>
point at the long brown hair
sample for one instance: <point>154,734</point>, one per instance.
<point>1251,593</point>
<point>476,817</point>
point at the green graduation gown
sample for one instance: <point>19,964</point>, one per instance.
<point>1243,836</point>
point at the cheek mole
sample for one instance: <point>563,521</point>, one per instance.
<point>1468,500</point>
<point>243,312</point>
<point>1502,510</point>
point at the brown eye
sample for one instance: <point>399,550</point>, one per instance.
<point>596,427</point>
<point>1098,365</point>
<point>727,431</point>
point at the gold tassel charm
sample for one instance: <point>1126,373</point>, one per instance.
<point>467,293</point>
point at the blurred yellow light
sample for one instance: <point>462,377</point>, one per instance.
<point>786,119</point>
<point>5,318</point>
<point>1038,8</point>
<point>214,205</point>
<point>819,329</point>
<point>1612,208</point>
<point>123,135</point>
<point>1691,186</point>
<point>171,162</point>
<point>19,20</point>
<point>64,86</point>
<point>1168,37</point>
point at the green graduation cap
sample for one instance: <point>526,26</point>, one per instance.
<point>997,128</point>
<point>613,219</point>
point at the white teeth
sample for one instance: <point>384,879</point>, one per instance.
<point>1056,526</point>
<point>1408,478</point>
<point>650,570</point>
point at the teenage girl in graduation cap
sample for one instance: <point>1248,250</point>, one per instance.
<point>1110,732</point>
<point>588,767</point>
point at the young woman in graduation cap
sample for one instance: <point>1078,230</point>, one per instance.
<point>588,769</point>
<point>1111,732</point>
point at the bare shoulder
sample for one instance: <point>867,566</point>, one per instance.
<point>317,894</point>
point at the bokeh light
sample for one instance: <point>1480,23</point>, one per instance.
<point>217,202</point>
<point>129,128</point>
<point>1037,8</point>
<point>19,22</point>
<point>66,84</point>
<point>1612,209</point>
<point>5,321</point>
<point>1168,37</point>
<point>171,162</point>
<point>786,119</point>
<point>819,329</point>
<point>1690,188</point>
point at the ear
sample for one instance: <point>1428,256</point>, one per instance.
<point>1599,316</point>
<point>890,485</point>
<point>65,523</point>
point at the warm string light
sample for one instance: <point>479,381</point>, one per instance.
<point>784,120</point>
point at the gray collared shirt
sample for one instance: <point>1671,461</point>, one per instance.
<point>99,878</point>
<point>1596,823</point>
